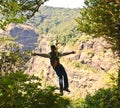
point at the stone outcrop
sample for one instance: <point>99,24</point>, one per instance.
<point>25,34</point>
<point>95,54</point>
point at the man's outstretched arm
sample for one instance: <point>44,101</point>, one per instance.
<point>42,55</point>
<point>67,53</point>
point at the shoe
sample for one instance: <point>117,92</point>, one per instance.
<point>61,93</point>
<point>66,89</point>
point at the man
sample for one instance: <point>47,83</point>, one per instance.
<point>54,57</point>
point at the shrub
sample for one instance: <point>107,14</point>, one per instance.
<point>103,98</point>
<point>19,90</point>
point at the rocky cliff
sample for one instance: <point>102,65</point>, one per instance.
<point>25,34</point>
<point>86,69</point>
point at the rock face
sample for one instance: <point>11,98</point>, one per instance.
<point>95,54</point>
<point>26,35</point>
<point>98,54</point>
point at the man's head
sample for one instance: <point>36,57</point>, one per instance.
<point>53,48</point>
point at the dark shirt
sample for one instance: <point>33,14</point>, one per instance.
<point>54,59</point>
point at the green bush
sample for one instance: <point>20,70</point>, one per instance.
<point>12,58</point>
<point>18,90</point>
<point>103,98</point>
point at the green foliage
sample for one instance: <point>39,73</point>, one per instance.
<point>110,77</point>
<point>54,20</point>
<point>11,57</point>
<point>58,21</point>
<point>101,19</point>
<point>18,90</point>
<point>17,11</point>
<point>78,103</point>
<point>103,98</point>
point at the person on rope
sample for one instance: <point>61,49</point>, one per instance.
<point>57,66</point>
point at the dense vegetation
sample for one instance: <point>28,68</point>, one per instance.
<point>23,91</point>
<point>54,20</point>
<point>59,22</point>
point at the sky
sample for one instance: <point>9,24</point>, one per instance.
<point>65,3</point>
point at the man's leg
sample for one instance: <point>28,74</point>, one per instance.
<point>65,80</point>
<point>59,74</point>
<point>66,85</point>
<point>61,85</point>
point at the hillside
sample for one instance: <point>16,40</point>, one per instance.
<point>54,20</point>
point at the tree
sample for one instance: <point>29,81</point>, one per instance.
<point>17,11</point>
<point>102,19</point>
